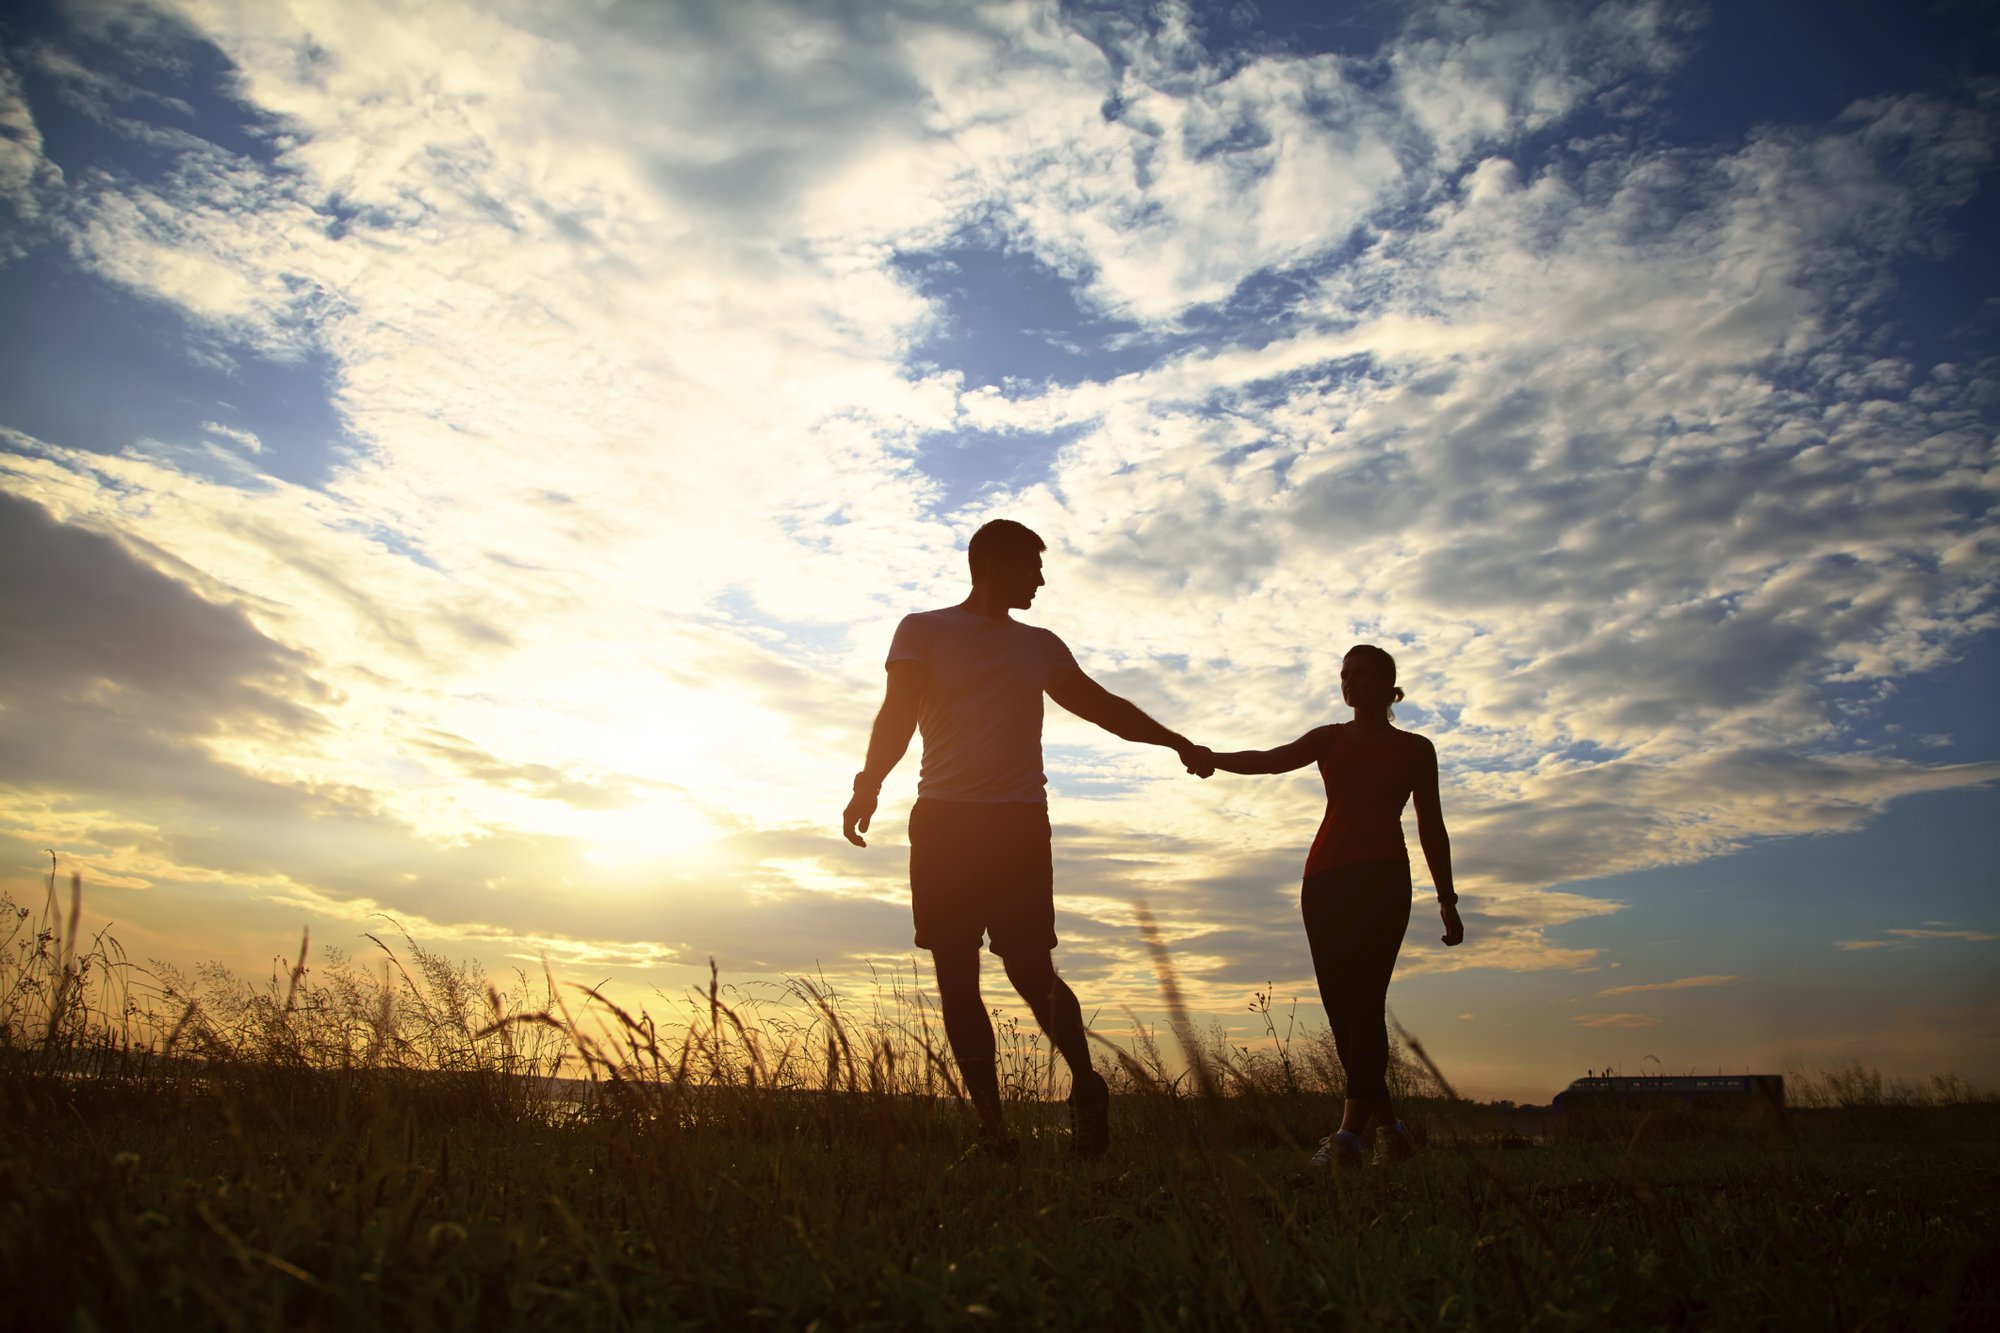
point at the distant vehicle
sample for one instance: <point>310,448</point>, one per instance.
<point>1641,1091</point>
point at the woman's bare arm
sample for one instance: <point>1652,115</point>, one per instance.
<point>1297,754</point>
<point>1436,842</point>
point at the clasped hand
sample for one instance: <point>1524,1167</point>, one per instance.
<point>1200,760</point>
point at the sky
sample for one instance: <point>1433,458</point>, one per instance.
<point>461,466</point>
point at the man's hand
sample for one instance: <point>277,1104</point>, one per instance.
<point>1454,929</point>
<point>1200,760</point>
<point>854,820</point>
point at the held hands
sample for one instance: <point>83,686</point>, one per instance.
<point>1454,929</point>
<point>1200,760</point>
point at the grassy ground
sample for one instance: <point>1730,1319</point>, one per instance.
<point>860,1212</point>
<point>285,1157</point>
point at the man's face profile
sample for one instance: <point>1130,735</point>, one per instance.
<point>1015,579</point>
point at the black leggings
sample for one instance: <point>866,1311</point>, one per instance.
<point>1355,918</point>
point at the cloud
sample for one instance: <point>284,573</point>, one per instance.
<point>242,439</point>
<point>1616,1020</point>
<point>1685,983</point>
<point>1976,936</point>
<point>89,629</point>
<point>1903,938</point>
<point>588,792</point>
<point>1167,175</point>
<point>28,180</point>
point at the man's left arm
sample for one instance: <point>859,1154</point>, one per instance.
<point>1121,717</point>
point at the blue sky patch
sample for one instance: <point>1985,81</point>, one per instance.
<point>969,465</point>
<point>1010,318</point>
<point>89,366</point>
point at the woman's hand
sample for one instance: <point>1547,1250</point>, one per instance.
<point>1200,760</point>
<point>1454,929</point>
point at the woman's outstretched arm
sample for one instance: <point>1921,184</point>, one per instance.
<point>1305,750</point>
<point>1436,843</point>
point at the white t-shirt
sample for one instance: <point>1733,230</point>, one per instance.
<point>981,716</point>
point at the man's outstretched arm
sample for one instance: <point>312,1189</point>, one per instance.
<point>1121,717</point>
<point>894,725</point>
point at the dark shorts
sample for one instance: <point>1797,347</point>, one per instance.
<point>982,869</point>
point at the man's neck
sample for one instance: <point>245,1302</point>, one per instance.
<point>982,602</point>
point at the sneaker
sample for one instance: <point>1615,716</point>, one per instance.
<point>991,1149</point>
<point>1394,1144</point>
<point>1340,1150</point>
<point>1090,1116</point>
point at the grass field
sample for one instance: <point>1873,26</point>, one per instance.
<point>342,1149</point>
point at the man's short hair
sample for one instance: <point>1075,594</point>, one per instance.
<point>1001,539</point>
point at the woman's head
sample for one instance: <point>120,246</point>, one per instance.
<point>1368,680</point>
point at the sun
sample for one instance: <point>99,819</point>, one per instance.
<point>667,830</point>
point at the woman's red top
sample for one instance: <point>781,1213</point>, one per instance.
<point>1367,785</point>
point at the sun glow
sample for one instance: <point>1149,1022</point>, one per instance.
<point>671,829</point>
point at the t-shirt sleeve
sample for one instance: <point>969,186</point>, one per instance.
<point>909,642</point>
<point>1059,660</point>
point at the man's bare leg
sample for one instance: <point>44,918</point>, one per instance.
<point>970,1032</point>
<point>1056,1009</point>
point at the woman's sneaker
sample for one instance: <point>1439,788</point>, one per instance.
<point>1339,1150</point>
<point>994,1148</point>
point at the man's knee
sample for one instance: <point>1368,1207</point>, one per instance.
<point>1033,974</point>
<point>1035,980</point>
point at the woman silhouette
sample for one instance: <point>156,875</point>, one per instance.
<point>1356,896</point>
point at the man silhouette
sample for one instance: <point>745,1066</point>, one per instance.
<point>971,677</point>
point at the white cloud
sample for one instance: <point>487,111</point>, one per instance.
<point>1972,936</point>
<point>1903,938</point>
<point>27,177</point>
<point>1616,1020</point>
<point>242,439</point>
<point>1684,983</point>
